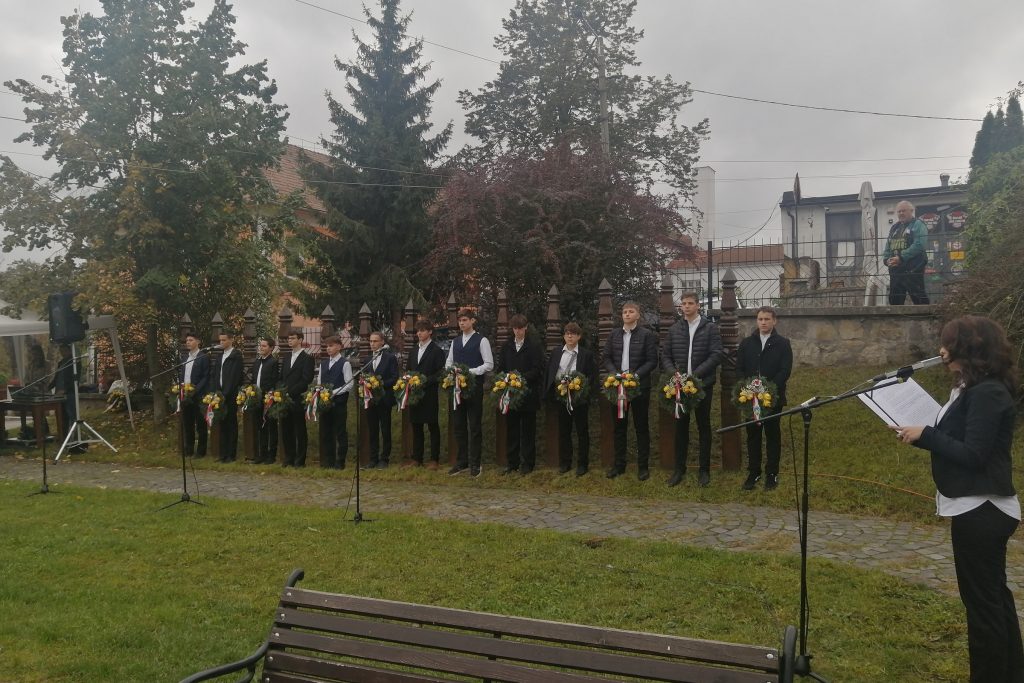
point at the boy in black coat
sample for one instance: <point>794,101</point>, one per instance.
<point>525,356</point>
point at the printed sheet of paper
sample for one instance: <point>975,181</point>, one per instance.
<point>903,403</point>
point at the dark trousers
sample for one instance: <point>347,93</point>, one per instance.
<point>267,447</point>
<point>334,434</point>
<point>378,421</point>
<point>417,441</point>
<point>466,421</point>
<point>993,632</point>
<point>293,433</point>
<point>902,283</point>
<point>521,438</point>
<point>703,414</point>
<point>70,412</point>
<point>773,436</point>
<point>578,418</point>
<point>194,426</point>
<point>229,434</point>
<point>639,407</point>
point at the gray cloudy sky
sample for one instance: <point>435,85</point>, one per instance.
<point>938,58</point>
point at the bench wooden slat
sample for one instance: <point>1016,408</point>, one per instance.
<point>321,669</point>
<point>430,660</point>
<point>538,653</point>
<point>751,656</point>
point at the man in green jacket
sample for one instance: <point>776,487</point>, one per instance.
<point>905,254</point>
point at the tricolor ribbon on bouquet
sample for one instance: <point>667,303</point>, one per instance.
<point>367,393</point>
<point>568,394</point>
<point>456,389</point>
<point>504,401</point>
<point>758,388</point>
<point>209,414</point>
<point>403,403</point>
<point>621,401</point>
<point>680,409</point>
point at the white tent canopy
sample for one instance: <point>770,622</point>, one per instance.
<point>31,325</point>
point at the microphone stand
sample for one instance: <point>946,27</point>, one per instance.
<point>76,428</point>
<point>45,488</point>
<point>358,517</point>
<point>185,497</point>
<point>802,662</point>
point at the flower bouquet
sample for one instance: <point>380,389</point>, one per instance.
<point>460,381</point>
<point>753,396</point>
<point>511,390</point>
<point>682,393</point>
<point>249,398</point>
<point>181,395</point>
<point>572,388</point>
<point>410,389</point>
<point>214,407</point>
<point>276,404</point>
<point>620,389</point>
<point>116,401</point>
<point>317,400</point>
<point>371,389</point>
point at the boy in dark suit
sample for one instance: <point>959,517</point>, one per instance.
<point>384,364</point>
<point>526,357</point>
<point>265,373</point>
<point>568,359</point>
<point>337,372</point>
<point>296,374</point>
<point>196,372</point>
<point>227,380</point>
<point>426,358</point>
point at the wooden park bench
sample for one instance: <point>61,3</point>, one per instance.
<point>319,637</point>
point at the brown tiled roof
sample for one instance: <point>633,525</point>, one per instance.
<point>733,256</point>
<point>286,178</point>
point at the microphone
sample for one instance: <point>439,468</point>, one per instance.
<point>908,370</point>
<point>215,347</point>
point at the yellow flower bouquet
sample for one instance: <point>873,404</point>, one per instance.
<point>753,396</point>
<point>510,389</point>
<point>410,389</point>
<point>682,393</point>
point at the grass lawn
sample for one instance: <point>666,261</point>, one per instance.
<point>856,465</point>
<point>96,586</point>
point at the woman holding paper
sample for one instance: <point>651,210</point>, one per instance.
<point>970,448</point>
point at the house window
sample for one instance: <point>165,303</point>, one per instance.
<point>845,246</point>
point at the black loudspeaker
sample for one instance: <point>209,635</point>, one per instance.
<point>66,324</point>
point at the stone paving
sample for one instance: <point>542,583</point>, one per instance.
<point>916,553</point>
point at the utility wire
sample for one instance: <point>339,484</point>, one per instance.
<point>835,109</point>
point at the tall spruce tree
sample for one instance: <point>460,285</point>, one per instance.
<point>1014,135</point>
<point>160,135</point>
<point>983,141</point>
<point>548,89</point>
<point>380,177</point>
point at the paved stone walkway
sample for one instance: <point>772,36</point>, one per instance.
<point>916,553</point>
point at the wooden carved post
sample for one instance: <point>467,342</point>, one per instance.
<point>284,326</point>
<point>553,344</point>
<point>410,349</point>
<point>605,323</point>
<point>184,328</point>
<point>732,456</point>
<point>327,327</point>
<point>216,327</point>
<point>453,329</point>
<point>501,337</point>
<point>666,420</point>
<point>250,421</point>
<point>363,447</point>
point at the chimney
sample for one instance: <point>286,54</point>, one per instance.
<point>944,179</point>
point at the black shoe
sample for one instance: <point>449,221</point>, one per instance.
<point>676,478</point>
<point>581,470</point>
<point>614,472</point>
<point>562,469</point>
<point>457,469</point>
<point>703,478</point>
<point>509,470</point>
<point>525,469</point>
<point>771,482</point>
<point>475,471</point>
<point>643,474</point>
<point>751,481</point>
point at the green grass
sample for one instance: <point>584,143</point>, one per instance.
<point>97,586</point>
<point>856,465</point>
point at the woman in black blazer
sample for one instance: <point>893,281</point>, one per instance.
<point>970,447</point>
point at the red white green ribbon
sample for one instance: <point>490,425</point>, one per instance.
<point>621,402</point>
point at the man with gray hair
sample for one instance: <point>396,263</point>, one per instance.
<point>906,255</point>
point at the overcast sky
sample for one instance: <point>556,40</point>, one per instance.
<point>921,57</point>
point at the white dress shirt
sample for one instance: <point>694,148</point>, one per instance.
<point>485,353</point>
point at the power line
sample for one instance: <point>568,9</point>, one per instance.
<point>827,161</point>
<point>11,118</point>
<point>883,174</point>
<point>423,40</point>
<point>835,109</point>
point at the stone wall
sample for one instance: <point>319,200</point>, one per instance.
<point>868,335</point>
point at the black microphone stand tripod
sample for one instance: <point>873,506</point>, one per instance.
<point>45,488</point>
<point>801,664</point>
<point>185,497</point>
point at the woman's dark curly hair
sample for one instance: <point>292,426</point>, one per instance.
<point>980,345</point>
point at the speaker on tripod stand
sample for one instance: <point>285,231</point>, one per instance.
<point>66,325</point>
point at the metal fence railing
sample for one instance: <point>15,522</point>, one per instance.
<point>847,272</point>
